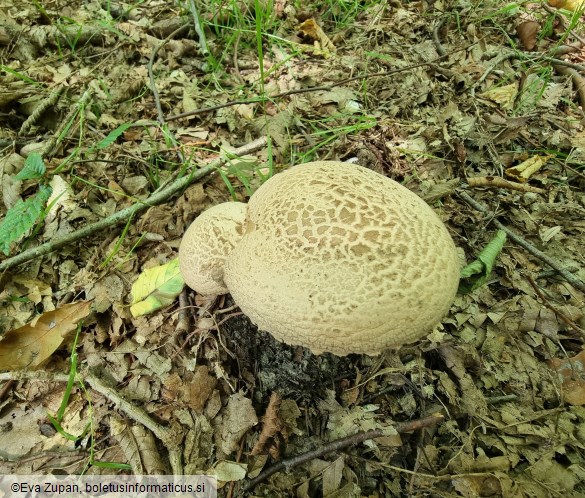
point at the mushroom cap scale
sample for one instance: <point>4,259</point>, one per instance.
<point>207,243</point>
<point>338,258</point>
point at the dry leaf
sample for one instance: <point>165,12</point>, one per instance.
<point>523,171</point>
<point>527,32</point>
<point>271,427</point>
<point>332,476</point>
<point>323,45</point>
<point>227,471</point>
<point>32,344</point>
<point>197,392</point>
<point>239,416</point>
<point>503,95</point>
<point>572,374</point>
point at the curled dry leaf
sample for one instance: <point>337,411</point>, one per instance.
<point>527,32</point>
<point>523,171</point>
<point>271,428</point>
<point>32,344</point>
<point>323,45</point>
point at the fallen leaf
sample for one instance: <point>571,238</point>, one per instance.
<point>155,288</point>
<point>32,344</point>
<point>527,32</point>
<point>503,95</point>
<point>523,171</point>
<point>238,418</point>
<point>477,273</point>
<point>271,427</point>
<point>332,476</point>
<point>572,374</point>
<point>227,471</point>
<point>323,45</point>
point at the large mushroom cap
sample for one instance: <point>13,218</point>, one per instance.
<point>338,258</point>
<point>207,243</point>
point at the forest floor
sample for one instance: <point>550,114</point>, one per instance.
<point>121,122</point>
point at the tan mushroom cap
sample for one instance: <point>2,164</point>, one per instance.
<point>206,244</point>
<point>340,259</point>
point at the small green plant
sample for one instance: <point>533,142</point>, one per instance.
<point>89,427</point>
<point>327,130</point>
<point>21,217</point>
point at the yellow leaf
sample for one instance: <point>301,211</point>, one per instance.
<point>155,288</point>
<point>523,171</point>
<point>32,344</point>
<point>503,95</point>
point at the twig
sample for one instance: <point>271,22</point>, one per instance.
<point>40,109</point>
<point>578,81</point>
<point>436,40</point>
<point>170,437</point>
<point>6,388</point>
<point>159,111</point>
<point>122,216</point>
<point>340,444</point>
<point>560,62</point>
<point>494,400</point>
<point>322,88</point>
<point>574,281</point>
<point>568,49</point>
<point>496,62</point>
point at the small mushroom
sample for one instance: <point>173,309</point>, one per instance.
<point>207,243</point>
<point>328,255</point>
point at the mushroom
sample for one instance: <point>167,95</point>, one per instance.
<point>328,255</point>
<point>207,243</point>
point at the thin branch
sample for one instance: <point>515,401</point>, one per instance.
<point>170,437</point>
<point>322,88</point>
<point>436,38</point>
<point>122,216</point>
<point>578,81</point>
<point>340,444</point>
<point>159,111</point>
<point>574,281</point>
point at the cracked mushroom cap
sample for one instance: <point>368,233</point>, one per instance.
<point>340,259</point>
<point>206,244</point>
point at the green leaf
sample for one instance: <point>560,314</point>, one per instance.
<point>475,274</point>
<point>112,136</point>
<point>34,167</point>
<point>155,288</point>
<point>21,217</point>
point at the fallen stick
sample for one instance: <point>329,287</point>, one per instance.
<point>568,276</point>
<point>121,216</point>
<point>339,444</point>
